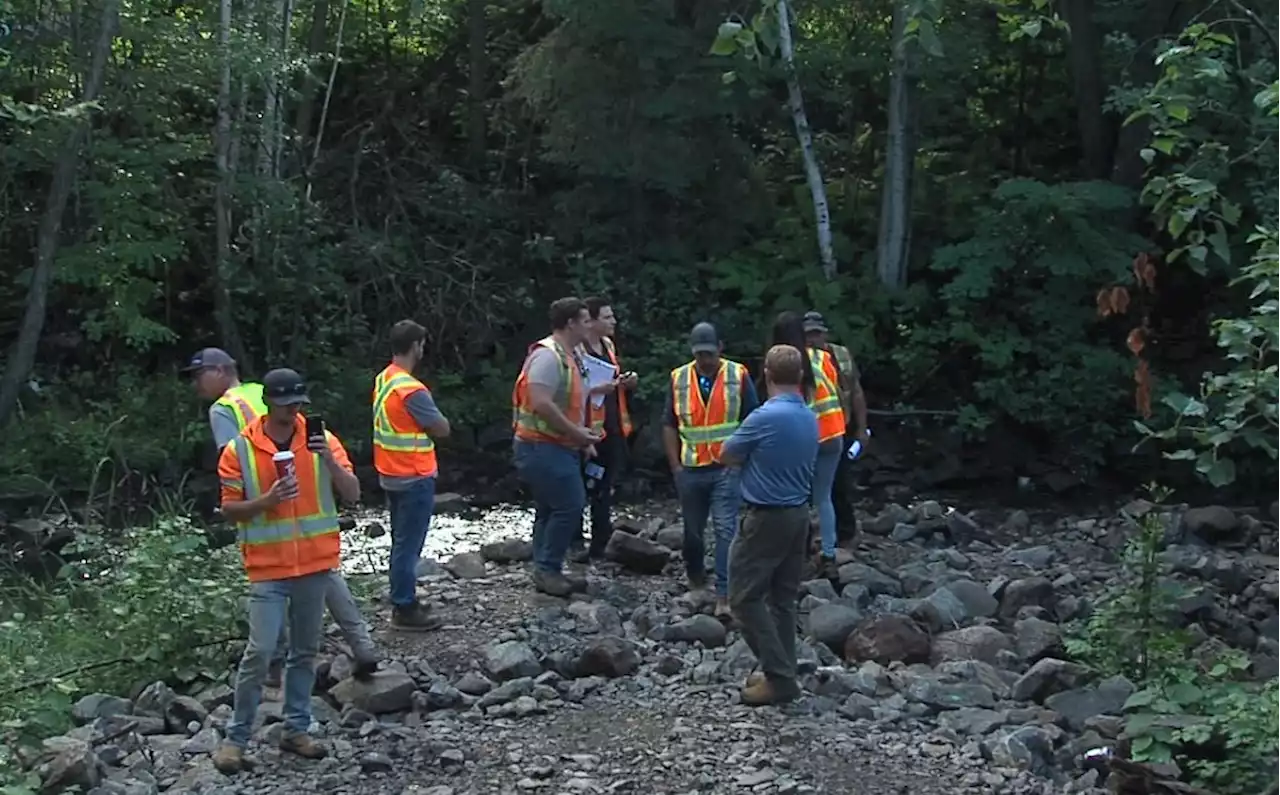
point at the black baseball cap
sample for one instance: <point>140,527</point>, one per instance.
<point>209,357</point>
<point>704,339</point>
<point>813,321</point>
<point>284,387</point>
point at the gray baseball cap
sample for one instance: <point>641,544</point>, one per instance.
<point>209,357</point>
<point>704,339</point>
<point>284,387</point>
<point>813,321</point>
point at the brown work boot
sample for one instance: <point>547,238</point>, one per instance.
<point>304,746</point>
<point>552,583</point>
<point>763,692</point>
<point>414,618</point>
<point>364,667</point>
<point>228,759</point>
<point>722,611</point>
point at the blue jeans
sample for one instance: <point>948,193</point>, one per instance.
<point>346,611</point>
<point>824,478</point>
<point>300,602</point>
<point>709,491</point>
<point>411,511</point>
<point>553,473</point>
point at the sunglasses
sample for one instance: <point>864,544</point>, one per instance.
<point>287,391</point>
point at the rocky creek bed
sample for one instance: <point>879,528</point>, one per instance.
<point>933,664</point>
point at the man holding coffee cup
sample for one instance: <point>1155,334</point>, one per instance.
<point>278,486</point>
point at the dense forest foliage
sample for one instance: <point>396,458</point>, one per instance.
<point>1033,223</point>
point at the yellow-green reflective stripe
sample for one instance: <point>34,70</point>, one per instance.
<point>229,483</point>
<point>288,529</point>
<point>403,442</point>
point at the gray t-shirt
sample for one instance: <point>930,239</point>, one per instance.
<point>222,421</point>
<point>543,369</point>
<point>422,407</point>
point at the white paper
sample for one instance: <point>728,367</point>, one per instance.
<point>598,373</point>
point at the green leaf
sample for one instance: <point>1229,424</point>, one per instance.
<point>1031,28</point>
<point>1185,454</point>
<point>1148,154</point>
<point>1178,112</point>
<point>726,42</point>
<point>1221,473</point>
<point>1184,693</point>
<point>929,41</point>
<point>1163,145</point>
<point>1230,212</point>
<point>1141,698</point>
<point>1221,249</point>
<point>728,78</point>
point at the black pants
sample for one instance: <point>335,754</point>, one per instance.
<point>844,494</point>
<point>611,453</point>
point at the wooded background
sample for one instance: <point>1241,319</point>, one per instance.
<point>960,185</point>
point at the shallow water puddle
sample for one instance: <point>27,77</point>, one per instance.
<point>366,548</point>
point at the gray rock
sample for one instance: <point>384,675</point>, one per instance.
<point>1018,594</point>
<point>608,656</point>
<point>99,705</point>
<point>971,643</point>
<point>1035,638</point>
<point>474,683</point>
<point>636,553</point>
<point>832,623</point>
<point>1046,677</point>
<point>154,700</point>
<point>1077,706</point>
<point>510,660</point>
<point>671,537</point>
<point>182,711</point>
<point>1026,748</point>
<point>874,580</point>
<point>887,639</point>
<point>820,588</point>
<point>1211,523</point>
<point>205,741</point>
<point>508,550</point>
<point>700,628</point>
<point>596,617</point>
<point>947,695</point>
<point>385,691</point>
<point>374,762</point>
<point>978,602</point>
<point>71,763</point>
<point>973,720</point>
<point>1038,558</point>
<point>466,566</point>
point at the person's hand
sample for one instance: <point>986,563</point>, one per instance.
<point>590,450</point>
<point>605,388</point>
<point>586,437</point>
<point>629,380</point>
<point>283,490</point>
<point>319,445</point>
<point>862,436</point>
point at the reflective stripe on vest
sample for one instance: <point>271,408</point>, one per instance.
<point>245,402</point>
<point>259,531</point>
<point>406,451</point>
<point>844,360</point>
<point>624,411</point>
<point>705,426</point>
<point>525,422</point>
<point>825,402</point>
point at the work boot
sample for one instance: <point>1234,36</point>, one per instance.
<point>552,583</point>
<point>364,667</point>
<point>303,745</point>
<point>228,759</point>
<point>579,554</point>
<point>697,580</point>
<point>827,568</point>
<point>577,582</point>
<point>414,617</point>
<point>275,674</point>
<point>764,691</point>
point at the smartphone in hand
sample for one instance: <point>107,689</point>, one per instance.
<point>315,430</point>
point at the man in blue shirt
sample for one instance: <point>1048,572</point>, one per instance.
<point>776,448</point>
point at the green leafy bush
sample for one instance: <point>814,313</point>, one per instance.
<point>154,603</point>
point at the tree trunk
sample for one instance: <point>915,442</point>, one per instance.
<point>311,81</point>
<point>222,198</point>
<point>812,172</point>
<point>1085,53</point>
<point>1128,166</point>
<point>23,355</point>
<point>893,244</point>
<point>477,61</point>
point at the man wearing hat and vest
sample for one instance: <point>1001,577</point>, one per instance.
<point>854,404</point>
<point>406,421</point>
<point>707,400</point>
<point>612,417</point>
<point>278,486</point>
<point>549,418</point>
<point>236,405</point>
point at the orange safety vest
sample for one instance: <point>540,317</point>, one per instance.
<point>571,397</point>
<point>826,397</point>
<point>705,426</point>
<point>297,537</point>
<point>401,449</point>
<point>597,412</point>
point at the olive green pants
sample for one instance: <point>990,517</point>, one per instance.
<point>766,566</point>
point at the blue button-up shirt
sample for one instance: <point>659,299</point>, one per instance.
<point>776,445</point>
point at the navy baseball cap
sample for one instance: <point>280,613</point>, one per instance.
<point>284,387</point>
<point>813,321</point>
<point>704,339</point>
<point>209,357</point>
